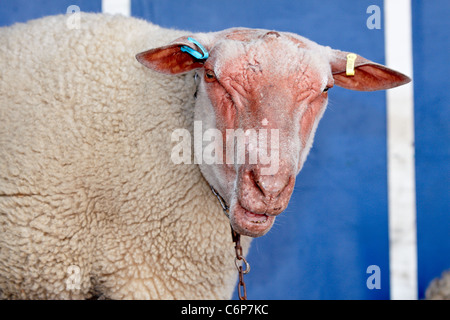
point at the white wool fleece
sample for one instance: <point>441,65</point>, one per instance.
<point>90,201</point>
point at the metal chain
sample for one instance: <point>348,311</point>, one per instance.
<point>222,202</point>
<point>242,289</point>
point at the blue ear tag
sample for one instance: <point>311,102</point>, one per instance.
<point>197,55</point>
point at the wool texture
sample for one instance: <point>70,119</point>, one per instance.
<point>91,204</point>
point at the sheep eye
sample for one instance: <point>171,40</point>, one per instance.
<point>326,89</point>
<point>210,76</point>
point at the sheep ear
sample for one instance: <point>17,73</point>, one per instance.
<point>368,75</point>
<point>171,59</point>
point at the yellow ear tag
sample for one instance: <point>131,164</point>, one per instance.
<point>350,69</point>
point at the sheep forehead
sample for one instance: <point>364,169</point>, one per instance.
<point>272,54</point>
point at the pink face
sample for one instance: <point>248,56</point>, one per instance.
<point>273,87</point>
<point>257,90</point>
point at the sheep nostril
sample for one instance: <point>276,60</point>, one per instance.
<point>259,187</point>
<point>257,182</point>
<point>270,187</point>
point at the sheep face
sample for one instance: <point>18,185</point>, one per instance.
<point>261,94</point>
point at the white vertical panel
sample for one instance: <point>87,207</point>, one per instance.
<point>117,7</point>
<point>401,169</point>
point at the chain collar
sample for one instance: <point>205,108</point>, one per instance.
<point>239,260</point>
<point>223,204</point>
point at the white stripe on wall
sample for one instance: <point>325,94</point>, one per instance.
<point>401,169</point>
<point>117,7</point>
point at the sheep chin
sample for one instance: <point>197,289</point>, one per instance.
<point>248,223</point>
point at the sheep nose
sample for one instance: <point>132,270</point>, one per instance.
<point>271,186</point>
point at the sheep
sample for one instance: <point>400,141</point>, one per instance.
<point>439,288</point>
<point>92,203</point>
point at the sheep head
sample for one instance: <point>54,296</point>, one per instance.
<point>269,90</point>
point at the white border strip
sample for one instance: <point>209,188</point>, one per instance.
<point>401,167</point>
<point>117,7</point>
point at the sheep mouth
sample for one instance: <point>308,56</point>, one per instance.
<point>249,223</point>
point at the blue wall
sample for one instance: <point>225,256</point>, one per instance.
<point>431,27</point>
<point>337,222</point>
<point>12,11</point>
